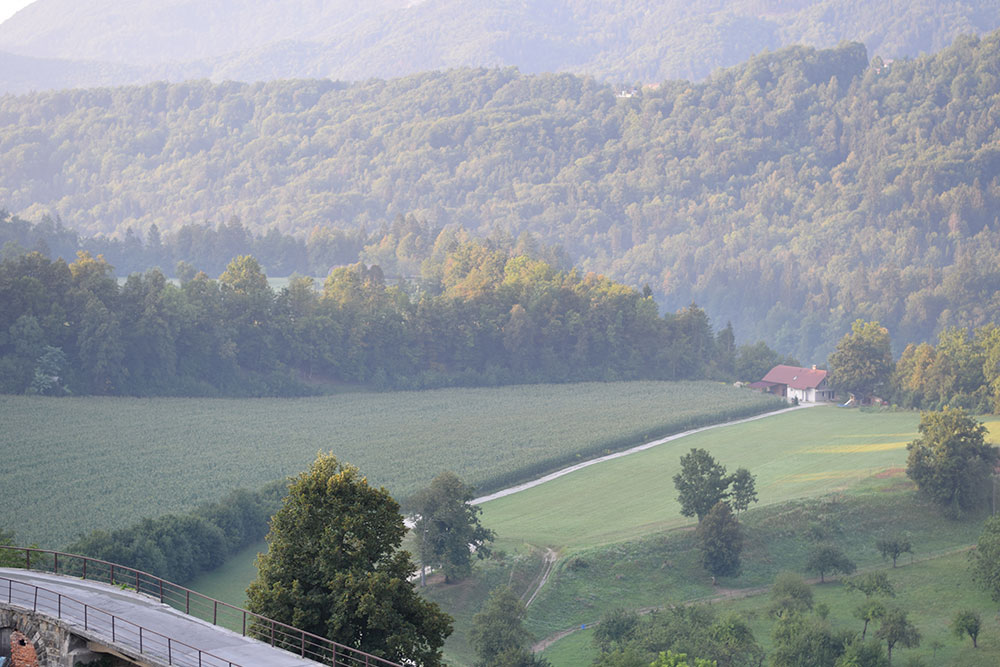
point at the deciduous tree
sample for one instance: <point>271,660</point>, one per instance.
<point>790,594</point>
<point>894,547</point>
<point>986,558</point>
<point>967,622</point>
<point>896,628</point>
<point>828,558</point>
<point>951,462</point>
<point>447,527</point>
<point>721,541</point>
<point>743,490</point>
<point>701,483</point>
<point>498,632</point>
<point>862,363</point>
<point>334,568</point>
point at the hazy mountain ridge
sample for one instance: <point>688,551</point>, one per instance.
<point>790,194</point>
<point>620,41</point>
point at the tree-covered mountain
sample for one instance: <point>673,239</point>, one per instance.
<point>791,195</point>
<point>615,41</point>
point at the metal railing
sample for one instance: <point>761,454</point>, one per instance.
<point>105,625</point>
<point>192,603</point>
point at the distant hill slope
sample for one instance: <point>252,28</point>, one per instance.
<point>790,194</point>
<point>616,40</point>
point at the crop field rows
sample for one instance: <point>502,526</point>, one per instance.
<point>87,463</point>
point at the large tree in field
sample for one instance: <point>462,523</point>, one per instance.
<point>951,462</point>
<point>447,526</point>
<point>701,483</point>
<point>862,363</point>
<point>334,568</point>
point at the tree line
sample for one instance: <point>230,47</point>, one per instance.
<point>482,316</point>
<point>179,547</point>
<point>790,194</point>
<point>961,371</point>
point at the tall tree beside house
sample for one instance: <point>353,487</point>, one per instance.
<point>951,462</point>
<point>862,363</point>
<point>333,567</point>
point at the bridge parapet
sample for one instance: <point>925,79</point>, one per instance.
<point>246,623</point>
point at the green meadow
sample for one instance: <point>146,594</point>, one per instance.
<point>822,473</point>
<point>804,453</point>
<point>88,463</point>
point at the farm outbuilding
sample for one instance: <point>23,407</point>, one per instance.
<point>808,385</point>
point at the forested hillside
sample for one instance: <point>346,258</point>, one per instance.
<point>789,195</point>
<point>615,41</point>
<point>491,317</point>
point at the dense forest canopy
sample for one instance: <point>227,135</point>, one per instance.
<point>484,316</point>
<point>69,44</point>
<point>790,195</point>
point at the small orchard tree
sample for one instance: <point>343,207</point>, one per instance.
<point>721,541</point>
<point>967,622</point>
<point>828,558</point>
<point>951,462</point>
<point>873,585</point>
<point>894,547</point>
<point>869,611</point>
<point>790,594</point>
<point>701,483</point>
<point>896,628</point>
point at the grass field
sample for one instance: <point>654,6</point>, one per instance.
<point>86,463</point>
<point>798,454</point>
<point>664,569</point>
<point>931,591</point>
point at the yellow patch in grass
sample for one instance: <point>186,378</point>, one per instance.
<point>828,474</point>
<point>859,449</point>
<point>911,434</point>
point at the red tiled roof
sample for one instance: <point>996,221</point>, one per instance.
<point>795,377</point>
<point>760,384</point>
